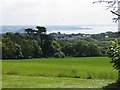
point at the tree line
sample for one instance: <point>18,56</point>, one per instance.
<point>37,44</point>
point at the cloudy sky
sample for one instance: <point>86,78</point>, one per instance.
<point>53,12</point>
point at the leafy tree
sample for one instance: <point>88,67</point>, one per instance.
<point>94,50</point>
<point>37,51</point>
<point>10,49</point>
<point>27,49</point>
<point>49,48</point>
<point>17,42</point>
<point>41,31</point>
<point>69,49</point>
<point>80,48</point>
<point>114,54</point>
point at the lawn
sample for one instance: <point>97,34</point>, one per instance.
<point>13,81</point>
<point>58,72</point>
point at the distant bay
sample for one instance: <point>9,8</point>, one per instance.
<point>68,29</point>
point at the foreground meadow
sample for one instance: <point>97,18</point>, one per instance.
<point>58,72</point>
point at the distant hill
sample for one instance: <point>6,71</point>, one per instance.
<point>14,28</point>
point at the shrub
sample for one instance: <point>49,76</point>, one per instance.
<point>114,54</point>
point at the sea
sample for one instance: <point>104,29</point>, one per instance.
<point>67,29</point>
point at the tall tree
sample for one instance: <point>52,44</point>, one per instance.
<point>41,30</point>
<point>29,31</point>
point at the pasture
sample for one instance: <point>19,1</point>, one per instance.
<point>58,72</point>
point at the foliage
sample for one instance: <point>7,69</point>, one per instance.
<point>114,54</point>
<point>37,49</point>
<point>50,46</point>
<point>81,48</point>
<point>29,45</point>
<point>10,49</point>
<point>16,46</point>
<point>36,44</point>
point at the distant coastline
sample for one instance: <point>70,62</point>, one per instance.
<point>67,29</point>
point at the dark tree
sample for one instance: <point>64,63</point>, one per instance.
<point>41,30</point>
<point>29,31</point>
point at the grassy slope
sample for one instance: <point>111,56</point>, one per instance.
<point>65,72</point>
<point>94,67</point>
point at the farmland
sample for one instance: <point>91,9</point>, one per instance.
<point>58,72</point>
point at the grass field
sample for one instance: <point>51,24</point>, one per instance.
<point>13,81</point>
<point>58,72</point>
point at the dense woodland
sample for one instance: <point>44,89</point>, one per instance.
<point>37,44</point>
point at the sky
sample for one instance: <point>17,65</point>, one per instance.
<point>53,12</point>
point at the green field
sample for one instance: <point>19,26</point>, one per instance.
<point>58,72</point>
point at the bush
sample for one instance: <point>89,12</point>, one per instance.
<point>114,54</point>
